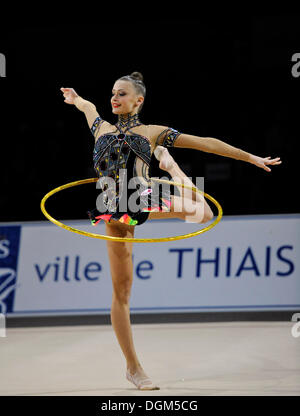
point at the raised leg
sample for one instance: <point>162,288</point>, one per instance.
<point>190,205</point>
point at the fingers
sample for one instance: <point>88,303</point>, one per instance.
<point>66,91</point>
<point>66,94</point>
<point>275,161</point>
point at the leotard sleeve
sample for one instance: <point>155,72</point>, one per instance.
<point>167,137</point>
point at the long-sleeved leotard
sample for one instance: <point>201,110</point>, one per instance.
<point>122,153</point>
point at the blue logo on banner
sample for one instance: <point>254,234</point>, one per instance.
<point>9,251</point>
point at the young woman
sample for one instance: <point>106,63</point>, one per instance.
<point>126,148</point>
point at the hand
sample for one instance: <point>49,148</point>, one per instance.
<point>263,162</point>
<point>69,95</point>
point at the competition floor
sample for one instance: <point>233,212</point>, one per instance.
<point>231,358</point>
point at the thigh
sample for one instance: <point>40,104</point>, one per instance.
<point>182,208</point>
<point>120,253</point>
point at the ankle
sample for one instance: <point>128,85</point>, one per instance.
<point>133,368</point>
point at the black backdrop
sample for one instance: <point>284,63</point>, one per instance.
<point>213,77</point>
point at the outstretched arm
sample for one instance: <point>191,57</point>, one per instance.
<point>211,145</point>
<point>88,108</point>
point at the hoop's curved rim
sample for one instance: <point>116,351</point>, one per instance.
<point>125,239</point>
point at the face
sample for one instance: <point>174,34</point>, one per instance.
<point>124,98</point>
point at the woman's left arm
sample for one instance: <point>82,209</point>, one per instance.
<point>211,145</point>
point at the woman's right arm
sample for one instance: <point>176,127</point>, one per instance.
<point>88,108</point>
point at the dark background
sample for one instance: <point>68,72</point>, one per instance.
<point>228,78</point>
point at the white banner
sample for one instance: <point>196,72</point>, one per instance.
<point>244,263</point>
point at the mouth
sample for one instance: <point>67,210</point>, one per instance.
<point>116,105</point>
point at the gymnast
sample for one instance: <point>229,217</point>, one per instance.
<point>127,147</point>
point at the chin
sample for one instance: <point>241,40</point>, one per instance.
<point>118,111</point>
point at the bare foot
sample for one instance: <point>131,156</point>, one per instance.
<point>164,157</point>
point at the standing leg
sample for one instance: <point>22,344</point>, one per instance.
<point>120,258</point>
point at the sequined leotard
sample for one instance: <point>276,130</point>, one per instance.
<point>124,153</point>
<point>127,194</point>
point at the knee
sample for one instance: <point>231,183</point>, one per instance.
<point>201,217</point>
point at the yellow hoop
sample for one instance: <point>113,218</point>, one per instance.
<point>132,240</point>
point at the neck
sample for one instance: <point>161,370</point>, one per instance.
<point>127,121</point>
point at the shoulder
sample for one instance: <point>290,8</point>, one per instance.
<point>156,130</point>
<point>100,127</point>
<point>163,135</point>
<point>106,127</point>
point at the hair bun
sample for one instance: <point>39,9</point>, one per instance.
<point>137,76</point>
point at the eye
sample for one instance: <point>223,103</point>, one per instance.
<point>121,94</point>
